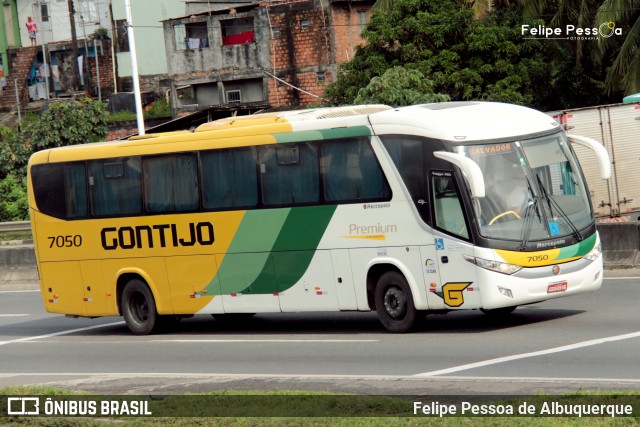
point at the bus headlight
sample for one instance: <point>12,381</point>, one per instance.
<point>500,267</point>
<point>595,253</point>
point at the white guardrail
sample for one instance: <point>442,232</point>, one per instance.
<point>15,226</point>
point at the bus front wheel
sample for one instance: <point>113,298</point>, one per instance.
<point>139,308</point>
<point>394,303</point>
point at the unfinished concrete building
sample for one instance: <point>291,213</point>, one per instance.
<point>267,54</point>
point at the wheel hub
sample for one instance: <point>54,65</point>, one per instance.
<point>395,303</point>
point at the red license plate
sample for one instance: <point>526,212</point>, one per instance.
<point>557,287</point>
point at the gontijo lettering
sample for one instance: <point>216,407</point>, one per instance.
<point>142,236</point>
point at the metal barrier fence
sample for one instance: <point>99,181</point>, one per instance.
<point>15,226</point>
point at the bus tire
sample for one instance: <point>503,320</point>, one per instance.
<point>139,308</point>
<point>394,303</point>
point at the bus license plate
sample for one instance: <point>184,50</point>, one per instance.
<point>557,287</point>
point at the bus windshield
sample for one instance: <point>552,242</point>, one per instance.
<point>534,189</point>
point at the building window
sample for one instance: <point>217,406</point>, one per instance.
<point>233,97</point>
<point>191,36</point>
<point>304,24</point>
<point>237,31</point>
<point>44,12</point>
<point>121,35</point>
<point>275,31</point>
<point>89,11</point>
<point>320,77</point>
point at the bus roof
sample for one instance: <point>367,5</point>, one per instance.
<point>452,121</point>
<point>293,116</point>
<point>466,121</point>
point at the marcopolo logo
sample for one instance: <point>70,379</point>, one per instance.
<point>571,32</point>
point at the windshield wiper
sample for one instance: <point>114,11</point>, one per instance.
<point>563,215</point>
<point>532,205</point>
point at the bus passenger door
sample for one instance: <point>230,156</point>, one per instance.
<point>457,275</point>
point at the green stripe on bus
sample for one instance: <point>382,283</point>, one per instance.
<point>315,135</point>
<point>288,237</point>
<point>294,248</point>
<point>579,249</point>
<point>248,253</point>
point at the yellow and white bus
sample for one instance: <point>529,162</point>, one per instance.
<point>405,211</point>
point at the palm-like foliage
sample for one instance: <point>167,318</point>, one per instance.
<point>624,73</point>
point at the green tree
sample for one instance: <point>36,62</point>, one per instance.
<point>398,87</point>
<point>62,124</point>
<point>68,123</point>
<point>463,57</point>
<point>13,199</point>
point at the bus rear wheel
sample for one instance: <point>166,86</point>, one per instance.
<point>394,303</point>
<point>139,308</point>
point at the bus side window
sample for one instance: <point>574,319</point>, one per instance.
<point>290,175</point>
<point>171,183</point>
<point>60,189</point>
<point>113,193</point>
<point>351,172</point>
<point>411,157</point>
<point>229,179</point>
<point>448,209</point>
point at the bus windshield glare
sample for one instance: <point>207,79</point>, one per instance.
<point>534,189</point>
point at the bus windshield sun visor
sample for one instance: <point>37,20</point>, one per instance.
<point>469,168</point>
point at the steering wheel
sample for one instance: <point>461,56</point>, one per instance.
<point>505,213</point>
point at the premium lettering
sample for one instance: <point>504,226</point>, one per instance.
<point>144,236</point>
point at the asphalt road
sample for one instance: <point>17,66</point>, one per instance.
<point>586,342</point>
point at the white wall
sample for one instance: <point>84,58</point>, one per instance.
<point>94,12</point>
<point>149,35</point>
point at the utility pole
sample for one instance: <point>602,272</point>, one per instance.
<point>74,41</point>
<point>134,69</point>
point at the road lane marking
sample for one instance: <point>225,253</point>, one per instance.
<point>264,341</point>
<point>14,315</point>
<point>55,334</point>
<point>497,360</point>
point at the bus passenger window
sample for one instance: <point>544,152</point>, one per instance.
<point>352,173</point>
<point>171,183</point>
<point>229,179</point>
<point>412,157</point>
<point>60,189</point>
<point>448,210</point>
<point>115,194</point>
<point>286,181</point>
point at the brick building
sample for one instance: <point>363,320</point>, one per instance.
<point>280,53</point>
